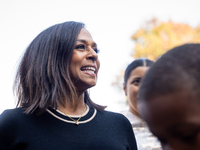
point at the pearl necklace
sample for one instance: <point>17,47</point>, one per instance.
<point>75,121</point>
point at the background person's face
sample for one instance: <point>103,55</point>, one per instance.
<point>175,119</point>
<point>132,87</point>
<point>84,63</point>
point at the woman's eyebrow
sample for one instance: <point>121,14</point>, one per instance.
<point>85,42</point>
<point>137,78</point>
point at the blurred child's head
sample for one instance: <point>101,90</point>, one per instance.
<point>169,98</point>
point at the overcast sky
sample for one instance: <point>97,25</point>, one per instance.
<point>111,23</point>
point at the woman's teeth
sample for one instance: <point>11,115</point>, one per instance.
<point>88,69</point>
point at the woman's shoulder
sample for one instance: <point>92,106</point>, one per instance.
<point>9,121</point>
<point>111,114</point>
<point>10,114</point>
<point>114,117</point>
<point>135,120</point>
<point>12,111</point>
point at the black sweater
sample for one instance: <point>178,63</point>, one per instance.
<point>55,131</point>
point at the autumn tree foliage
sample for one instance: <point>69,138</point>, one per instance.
<point>156,37</point>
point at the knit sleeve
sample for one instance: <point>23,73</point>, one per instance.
<point>130,136</point>
<point>8,127</point>
<point>125,130</point>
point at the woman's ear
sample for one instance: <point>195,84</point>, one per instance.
<point>124,88</point>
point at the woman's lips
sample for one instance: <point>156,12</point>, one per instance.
<point>89,70</point>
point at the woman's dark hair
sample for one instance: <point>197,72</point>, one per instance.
<point>43,76</point>
<point>136,63</point>
<point>176,70</point>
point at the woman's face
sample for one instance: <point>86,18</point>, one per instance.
<point>175,119</point>
<point>132,87</point>
<point>84,63</point>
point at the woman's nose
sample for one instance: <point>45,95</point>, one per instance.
<point>92,54</point>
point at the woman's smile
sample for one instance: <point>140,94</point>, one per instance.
<point>90,70</point>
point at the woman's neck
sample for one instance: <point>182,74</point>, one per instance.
<point>74,109</point>
<point>135,112</point>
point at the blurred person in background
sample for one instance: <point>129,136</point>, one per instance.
<point>134,73</point>
<point>169,98</point>
<point>55,111</point>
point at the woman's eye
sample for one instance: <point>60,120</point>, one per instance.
<point>81,46</point>
<point>96,50</point>
<point>136,82</point>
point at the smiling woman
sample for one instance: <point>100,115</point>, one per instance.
<point>54,108</point>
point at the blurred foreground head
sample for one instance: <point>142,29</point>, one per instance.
<point>169,98</point>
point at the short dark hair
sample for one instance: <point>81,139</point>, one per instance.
<point>169,73</point>
<point>134,64</point>
<point>43,76</point>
